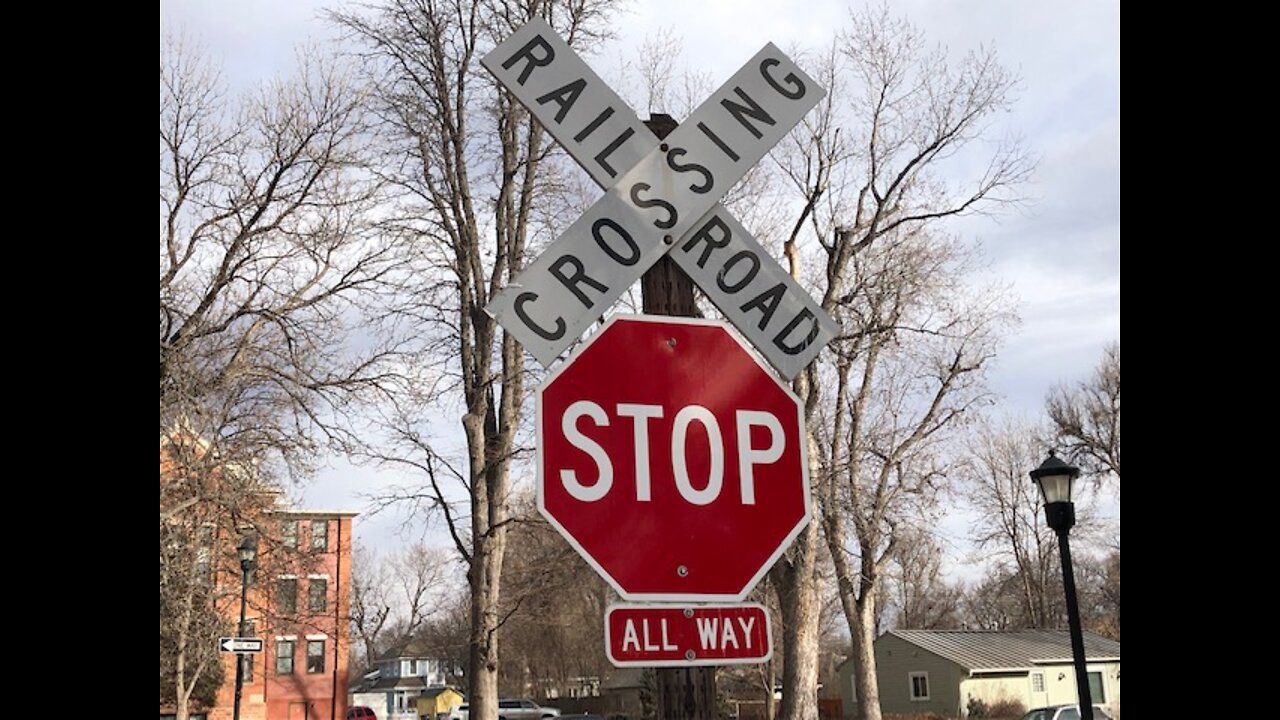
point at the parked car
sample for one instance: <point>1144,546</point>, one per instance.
<point>510,710</point>
<point>361,712</point>
<point>1064,712</point>
<point>524,709</point>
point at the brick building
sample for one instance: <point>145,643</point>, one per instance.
<point>299,604</point>
<point>298,598</point>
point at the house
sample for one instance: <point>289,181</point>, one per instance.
<point>298,600</point>
<point>437,702</point>
<point>625,692</point>
<point>403,675</point>
<point>942,671</point>
<point>298,604</point>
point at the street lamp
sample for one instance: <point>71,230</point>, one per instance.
<point>248,552</point>
<point>1055,479</point>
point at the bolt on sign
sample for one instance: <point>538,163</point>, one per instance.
<point>672,459</point>
<point>671,635</point>
<point>661,196</point>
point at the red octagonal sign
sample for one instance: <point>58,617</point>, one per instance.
<point>672,459</point>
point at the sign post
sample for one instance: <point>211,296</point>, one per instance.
<point>667,434</point>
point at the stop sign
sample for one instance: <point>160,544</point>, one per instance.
<point>672,459</point>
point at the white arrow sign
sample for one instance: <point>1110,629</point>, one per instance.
<point>659,195</point>
<point>240,645</point>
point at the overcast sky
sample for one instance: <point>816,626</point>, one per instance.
<point>1061,254</point>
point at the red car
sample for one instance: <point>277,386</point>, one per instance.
<point>360,712</point>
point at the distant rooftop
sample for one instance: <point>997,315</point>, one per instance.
<point>978,650</point>
<point>303,512</point>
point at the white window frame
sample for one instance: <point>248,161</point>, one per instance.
<point>1102,672</point>
<point>311,531</point>
<point>911,686</point>
<point>1037,676</point>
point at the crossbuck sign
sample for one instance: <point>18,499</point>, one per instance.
<point>662,196</point>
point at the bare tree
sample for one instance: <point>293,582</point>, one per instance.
<point>902,386</point>
<point>921,598</point>
<point>993,603</point>
<point>473,187</point>
<point>267,262</point>
<point>191,551</point>
<point>866,167</point>
<point>1087,417</point>
<point>267,267</point>
<point>1012,528</point>
<point>393,596</point>
<point>553,605</point>
<point>370,607</point>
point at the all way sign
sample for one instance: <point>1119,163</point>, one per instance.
<point>240,645</point>
<point>672,635</point>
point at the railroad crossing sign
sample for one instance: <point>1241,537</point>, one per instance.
<point>662,196</point>
<point>672,459</point>
<point>240,645</point>
<point>672,635</point>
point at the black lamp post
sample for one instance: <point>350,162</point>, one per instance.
<point>1055,479</point>
<point>248,552</point>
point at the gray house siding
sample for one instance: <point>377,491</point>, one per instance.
<point>896,659</point>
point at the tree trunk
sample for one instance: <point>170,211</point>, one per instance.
<point>181,704</point>
<point>864,661</point>
<point>795,580</point>
<point>488,449</point>
<point>483,681</point>
<point>769,677</point>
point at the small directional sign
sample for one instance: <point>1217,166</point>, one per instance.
<point>240,645</point>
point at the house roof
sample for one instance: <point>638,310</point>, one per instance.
<point>409,649</point>
<point>978,650</point>
<point>435,691</point>
<point>412,682</point>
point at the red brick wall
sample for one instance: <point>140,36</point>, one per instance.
<point>272,696</point>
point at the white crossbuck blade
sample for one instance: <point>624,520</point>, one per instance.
<point>662,196</point>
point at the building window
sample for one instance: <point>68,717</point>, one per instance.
<point>289,533</point>
<point>315,656</point>
<point>287,596</point>
<point>204,553</point>
<point>284,657</point>
<point>1096,690</point>
<point>919,685</point>
<point>319,535</point>
<point>1037,682</point>
<point>317,597</point>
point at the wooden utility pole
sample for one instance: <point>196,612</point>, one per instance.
<point>682,693</point>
